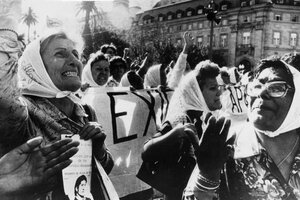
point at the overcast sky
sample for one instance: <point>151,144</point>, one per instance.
<point>66,10</point>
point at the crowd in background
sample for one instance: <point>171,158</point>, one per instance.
<point>238,129</point>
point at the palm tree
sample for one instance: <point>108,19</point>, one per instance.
<point>29,18</point>
<point>89,7</point>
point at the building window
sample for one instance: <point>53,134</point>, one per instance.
<point>213,40</point>
<point>293,39</point>
<point>171,29</point>
<point>160,18</point>
<point>277,17</point>
<point>199,41</point>
<point>246,38</point>
<point>189,13</point>
<point>224,22</point>
<point>297,2</point>
<point>280,1</point>
<point>179,28</point>
<point>251,2</point>
<point>169,17</point>
<point>184,26</point>
<point>200,25</point>
<point>224,40</point>
<point>276,38</point>
<point>179,15</point>
<point>206,24</point>
<point>200,11</point>
<point>190,27</point>
<point>294,18</point>
<point>224,7</point>
<point>243,4</point>
<point>195,25</point>
<point>246,19</point>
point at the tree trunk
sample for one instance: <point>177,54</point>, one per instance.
<point>28,36</point>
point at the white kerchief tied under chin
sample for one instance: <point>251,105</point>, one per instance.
<point>187,96</point>
<point>292,120</point>
<point>87,76</point>
<point>33,77</point>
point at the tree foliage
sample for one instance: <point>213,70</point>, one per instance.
<point>104,36</point>
<point>29,19</point>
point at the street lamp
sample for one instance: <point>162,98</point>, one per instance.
<point>211,14</point>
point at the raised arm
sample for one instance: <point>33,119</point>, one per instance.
<point>180,66</point>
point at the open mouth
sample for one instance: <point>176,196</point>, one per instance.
<point>70,74</point>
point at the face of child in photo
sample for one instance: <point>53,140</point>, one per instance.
<point>82,188</point>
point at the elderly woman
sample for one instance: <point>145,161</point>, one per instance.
<point>96,72</point>
<point>266,157</point>
<point>49,73</point>
<point>197,94</point>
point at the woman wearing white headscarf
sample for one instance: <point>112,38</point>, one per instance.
<point>266,159</point>
<point>49,74</point>
<point>96,71</point>
<point>153,76</point>
<point>197,94</point>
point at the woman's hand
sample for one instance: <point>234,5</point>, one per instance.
<point>92,130</point>
<point>27,166</point>
<point>214,150</point>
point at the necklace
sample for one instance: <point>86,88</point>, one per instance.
<point>288,155</point>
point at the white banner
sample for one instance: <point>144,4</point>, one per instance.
<point>129,119</point>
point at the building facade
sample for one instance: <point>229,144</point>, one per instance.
<point>249,30</point>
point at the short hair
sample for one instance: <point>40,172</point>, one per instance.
<point>276,63</point>
<point>104,48</point>
<point>292,59</point>
<point>206,70</point>
<point>98,56</point>
<point>78,181</point>
<point>117,59</point>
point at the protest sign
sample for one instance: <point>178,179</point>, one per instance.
<point>129,118</point>
<point>77,176</point>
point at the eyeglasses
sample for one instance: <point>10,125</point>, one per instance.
<point>274,89</point>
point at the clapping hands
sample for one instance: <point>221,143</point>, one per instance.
<point>214,148</point>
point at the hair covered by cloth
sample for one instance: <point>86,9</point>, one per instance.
<point>152,77</point>
<point>188,94</point>
<point>33,77</point>
<point>87,76</point>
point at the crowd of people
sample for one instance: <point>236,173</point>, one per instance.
<point>240,131</point>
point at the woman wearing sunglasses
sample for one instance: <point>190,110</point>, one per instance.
<point>266,160</point>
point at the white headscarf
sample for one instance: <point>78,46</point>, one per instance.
<point>187,96</point>
<point>87,76</point>
<point>33,77</point>
<point>152,77</point>
<point>292,120</point>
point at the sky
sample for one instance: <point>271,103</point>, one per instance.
<point>67,10</point>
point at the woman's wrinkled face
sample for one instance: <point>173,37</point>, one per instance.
<point>100,72</point>
<point>211,94</point>
<point>62,63</point>
<point>266,112</point>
